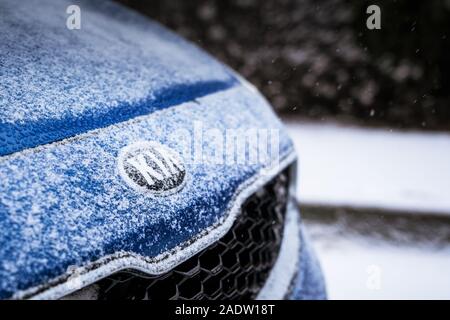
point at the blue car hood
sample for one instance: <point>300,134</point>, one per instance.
<point>70,101</point>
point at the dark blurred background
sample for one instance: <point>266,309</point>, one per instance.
<point>317,59</point>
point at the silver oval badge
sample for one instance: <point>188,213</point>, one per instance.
<point>151,167</point>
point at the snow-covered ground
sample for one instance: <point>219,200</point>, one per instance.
<point>358,270</point>
<point>370,255</point>
<point>407,172</point>
<point>348,166</point>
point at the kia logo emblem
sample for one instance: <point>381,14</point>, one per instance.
<point>151,167</point>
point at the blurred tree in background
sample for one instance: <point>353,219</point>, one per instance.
<point>316,59</point>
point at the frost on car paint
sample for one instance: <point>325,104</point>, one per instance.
<point>57,83</point>
<point>69,211</point>
<point>71,101</point>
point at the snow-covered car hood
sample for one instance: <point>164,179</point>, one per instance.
<point>71,100</point>
<point>57,82</point>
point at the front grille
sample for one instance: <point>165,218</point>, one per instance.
<point>235,267</point>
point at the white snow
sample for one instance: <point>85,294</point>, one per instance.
<point>356,270</point>
<point>348,166</point>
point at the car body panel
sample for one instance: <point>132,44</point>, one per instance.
<point>309,282</point>
<point>71,101</point>
<point>57,82</point>
<point>65,204</point>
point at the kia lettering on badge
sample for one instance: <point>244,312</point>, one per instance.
<point>152,167</point>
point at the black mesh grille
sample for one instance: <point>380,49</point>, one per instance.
<point>236,267</point>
